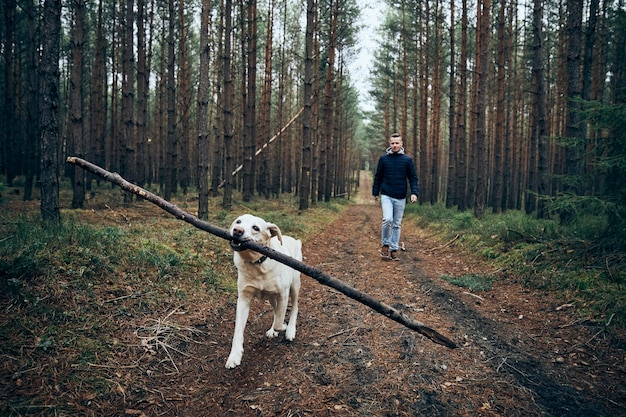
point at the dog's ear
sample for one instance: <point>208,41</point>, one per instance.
<point>275,231</point>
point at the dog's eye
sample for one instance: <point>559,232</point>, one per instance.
<point>256,228</point>
<point>238,222</point>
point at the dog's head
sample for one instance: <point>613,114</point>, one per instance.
<point>248,227</point>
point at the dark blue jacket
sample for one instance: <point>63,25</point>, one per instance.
<point>392,173</point>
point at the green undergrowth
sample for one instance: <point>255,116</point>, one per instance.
<point>579,263</point>
<point>72,292</point>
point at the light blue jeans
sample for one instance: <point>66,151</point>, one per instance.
<point>393,210</point>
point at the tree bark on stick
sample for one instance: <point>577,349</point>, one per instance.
<point>321,277</point>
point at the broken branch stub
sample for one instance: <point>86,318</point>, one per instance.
<point>318,275</point>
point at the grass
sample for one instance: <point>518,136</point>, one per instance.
<point>76,289</point>
<point>473,282</point>
<point>570,260</point>
<point>74,292</point>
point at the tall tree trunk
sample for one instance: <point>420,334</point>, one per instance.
<point>217,173</point>
<point>264,131</point>
<point>424,69</point>
<point>184,98</point>
<point>171,181</point>
<point>128,96</point>
<point>229,91</point>
<point>539,115</point>
<point>452,131</point>
<point>590,43</point>
<point>76,101</point>
<point>618,83</point>
<point>249,116</point>
<point>316,110</point>
<point>305,176</point>
<point>161,111</point>
<point>511,63</point>
<point>32,139</point>
<point>143,91</point>
<point>435,120</point>
<point>500,114</point>
<point>462,111</point>
<point>482,160</point>
<point>404,35</point>
<point>51,35</point>
<point>574,129</point>
<point>9,124</point>
<point>202,116</point>
<point>97,96</point>
<point>326,144</point>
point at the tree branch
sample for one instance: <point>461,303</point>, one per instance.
<point>314,273</point>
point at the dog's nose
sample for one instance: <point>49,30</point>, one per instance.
<point>237,231</point>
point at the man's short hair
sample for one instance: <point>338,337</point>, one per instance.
<point>395,135</point>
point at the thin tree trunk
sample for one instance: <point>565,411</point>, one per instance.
<point>171,181</point>
<point>143,91</point>
<point>305,176</point>
<point>462,111</point>
<point>128,96</point>
<point>227,200</point>
<point>9,122</point>
<point>249,116</point>
<point>218,124</point>
<point>482,161</point>
<point>185,154</point>
<point>500,114</point>
<point>435,121</point>
<point>202,127</point>
<point>265,174</point>
<point>539,115</point>
<point>424,69</point>
<point>574,127</point>
<point>452,140</point>
<point>50,212</point>
<point>76,100</point>
<point>32,140</point>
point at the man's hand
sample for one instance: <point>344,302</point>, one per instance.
<point>413,198</point>
<point>376,198</point>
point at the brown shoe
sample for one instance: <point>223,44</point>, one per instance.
<point>384,252</point>
<point>394,255</point>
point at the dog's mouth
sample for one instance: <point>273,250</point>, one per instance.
<point>236,245</point>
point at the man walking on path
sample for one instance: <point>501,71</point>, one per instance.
<point>394,169</point>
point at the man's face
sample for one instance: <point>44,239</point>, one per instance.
<point>396,144</point>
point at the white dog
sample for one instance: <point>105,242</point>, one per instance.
<point>261,277</point>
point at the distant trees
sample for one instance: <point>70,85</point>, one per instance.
<point>514,91</point>
<point>139,80</point>
<point>493,98</point>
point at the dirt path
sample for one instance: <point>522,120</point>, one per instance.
<point>519,354</point>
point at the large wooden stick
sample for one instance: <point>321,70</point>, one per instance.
<point>312,272</point>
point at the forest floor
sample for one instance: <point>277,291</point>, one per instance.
<point>520,352</point>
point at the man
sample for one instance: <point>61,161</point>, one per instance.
<point>390,181</point>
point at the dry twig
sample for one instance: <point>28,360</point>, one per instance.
<point>445,244</point>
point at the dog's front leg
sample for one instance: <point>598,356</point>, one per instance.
<point>236,351</point>
<point>294,291</point>
<point>280,309</point>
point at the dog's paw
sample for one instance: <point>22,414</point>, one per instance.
<point>271,333</point>
<point>233,361</point>
<point>290,334</point>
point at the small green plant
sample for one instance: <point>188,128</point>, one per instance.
<point>462,221</point>
<point>577,260</point>
<point>473,282</point>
